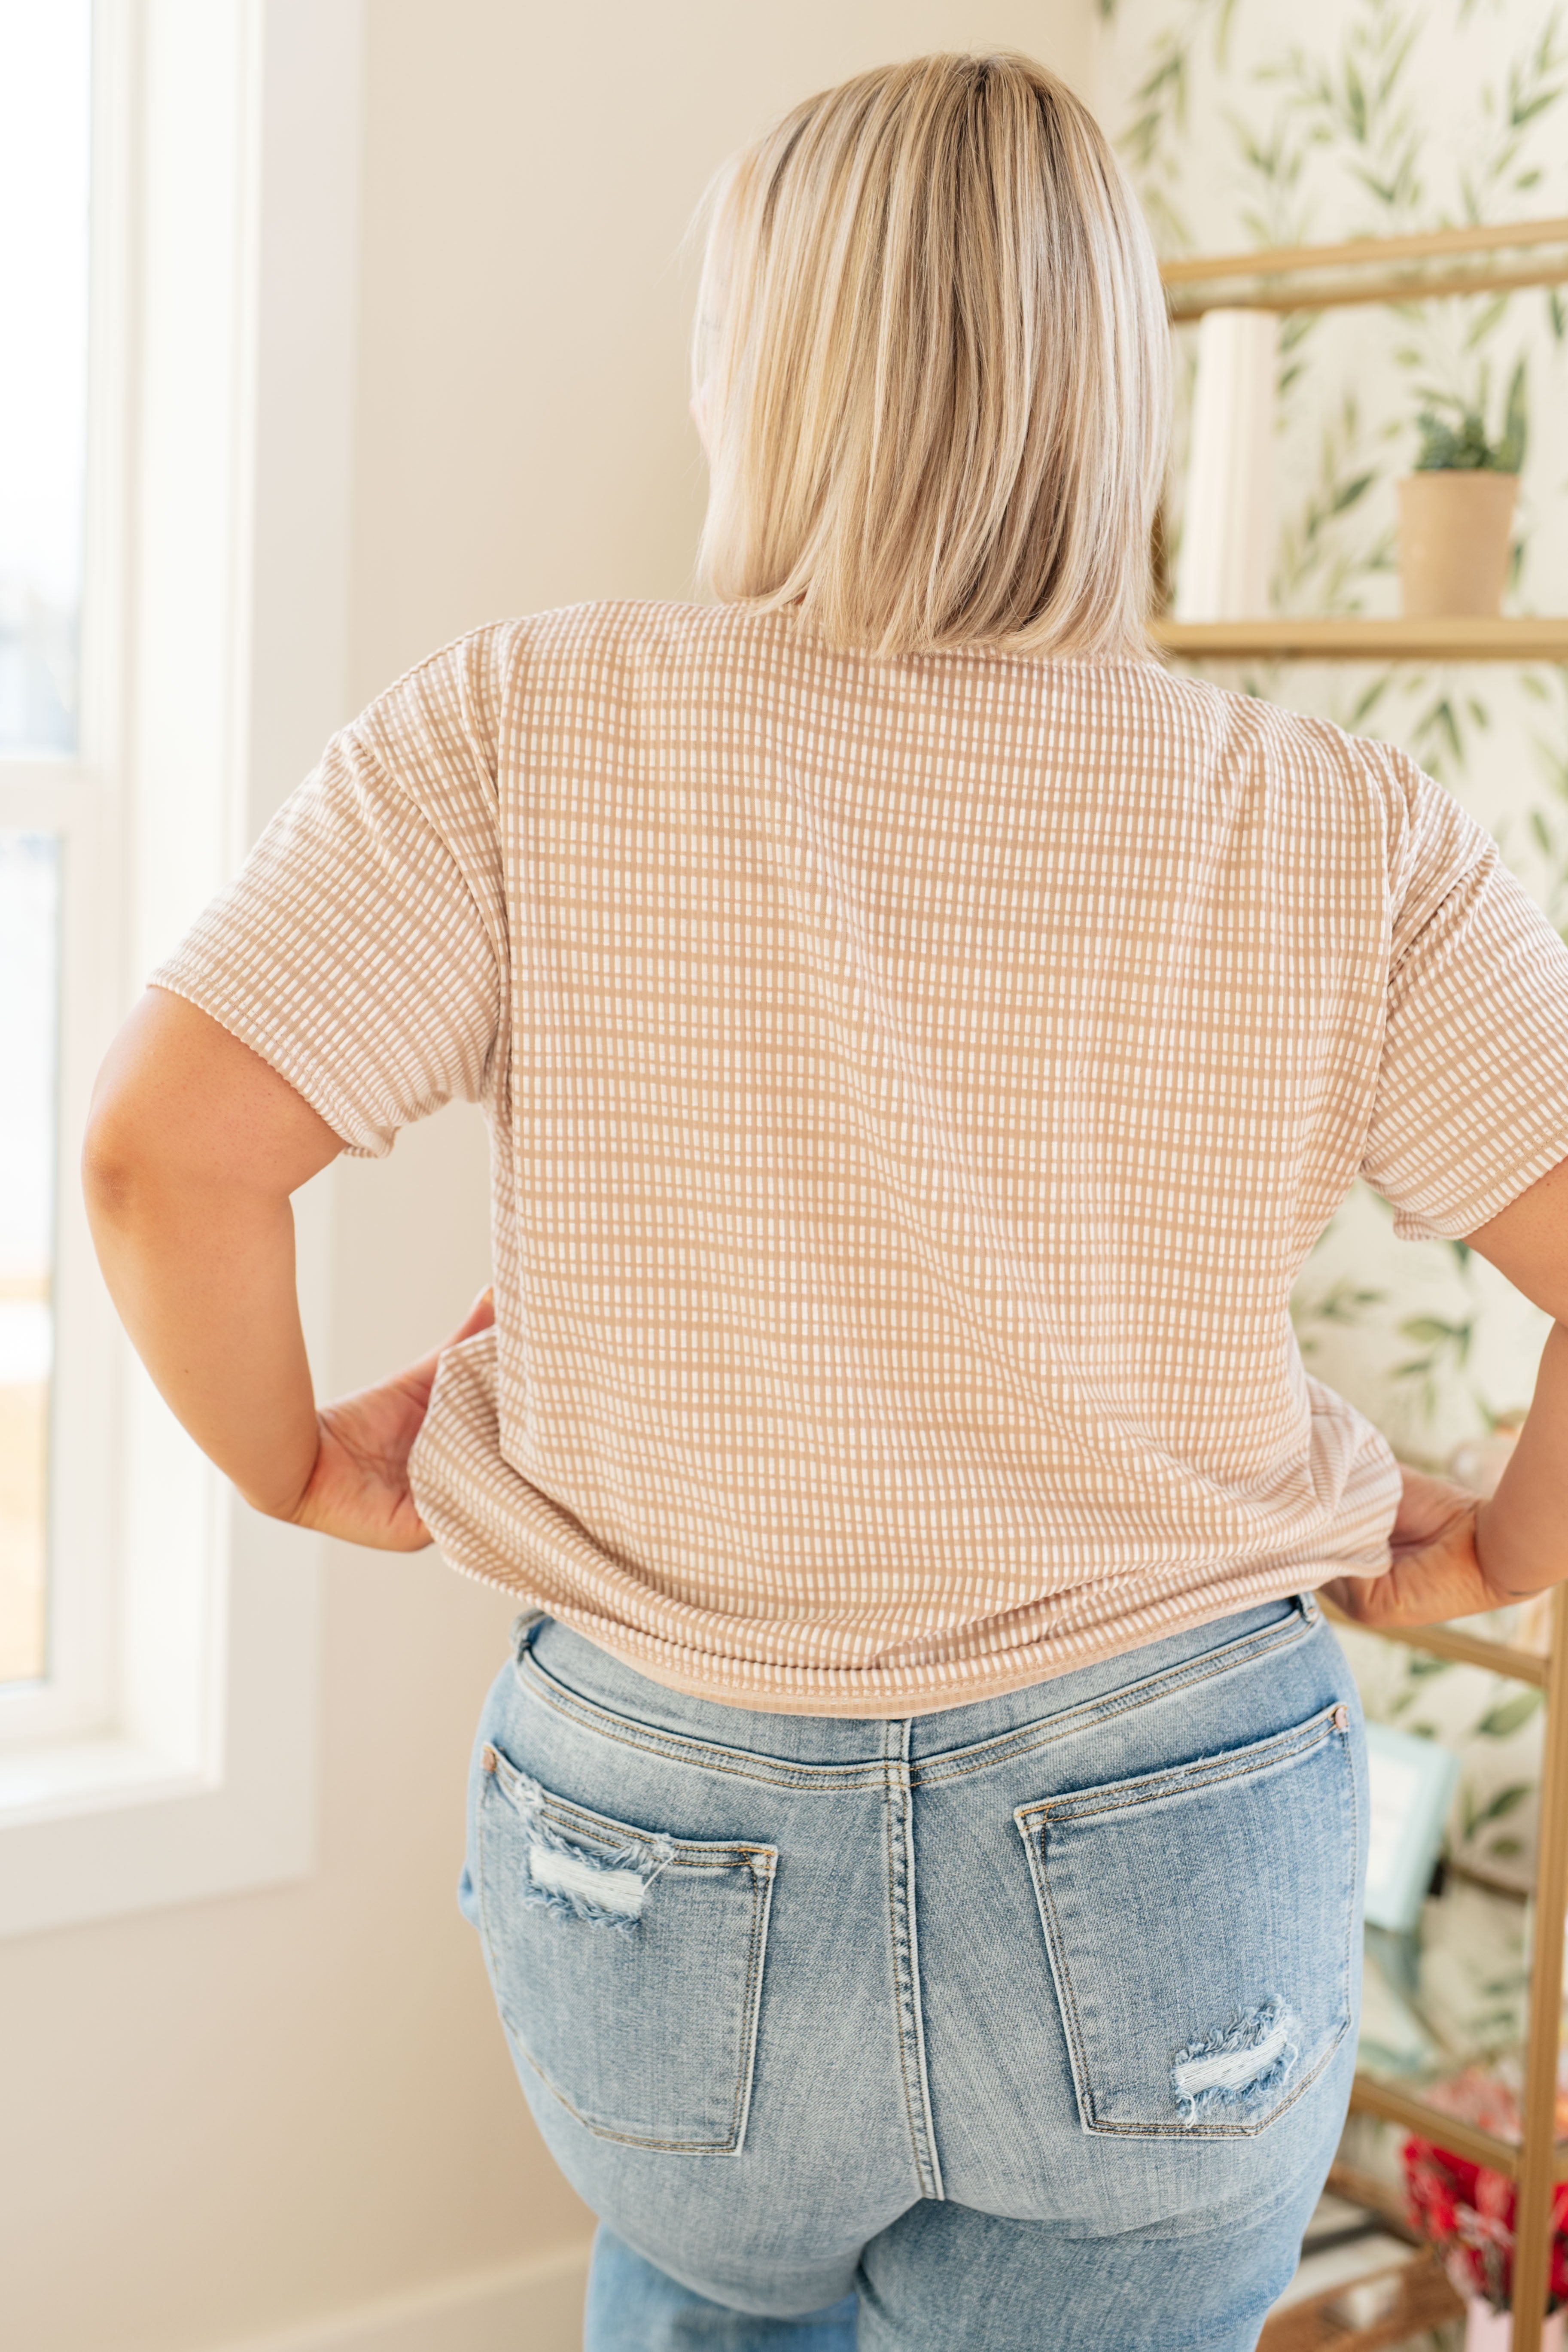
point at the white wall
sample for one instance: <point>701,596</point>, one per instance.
<point>244,2117</point>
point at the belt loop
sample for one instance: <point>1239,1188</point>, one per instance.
<point>523,1629</point>
<point>1310,1609</point>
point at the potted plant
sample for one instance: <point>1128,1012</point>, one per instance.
<point>1456,510</point>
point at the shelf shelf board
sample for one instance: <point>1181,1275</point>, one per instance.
<point>1429,245</point>
<point>1291,277</point>
<point>1424,2300</point>
<point>1369,2096</point>
<point>1444,1642</point>
<point>1396,288</point>
<point>1531,640</point>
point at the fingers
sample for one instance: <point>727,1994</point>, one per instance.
<point>479,1317</point>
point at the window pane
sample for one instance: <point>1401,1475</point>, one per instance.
<point>29,960</point>
<point>44,138</point>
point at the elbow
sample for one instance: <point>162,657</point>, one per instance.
<point>126,1166</point>
<point>112,1170</point>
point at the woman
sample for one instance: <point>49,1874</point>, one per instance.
<point>918,1842</point>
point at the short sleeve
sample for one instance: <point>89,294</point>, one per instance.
<point>361,947</point>
<point>1472,1092</point>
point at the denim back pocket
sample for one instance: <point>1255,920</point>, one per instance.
<point>1200,1925</point>
<point>628,1965</point>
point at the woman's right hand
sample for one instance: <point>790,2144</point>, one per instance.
<point>359,1489</point>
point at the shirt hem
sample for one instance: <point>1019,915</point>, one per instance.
<point>1026,1666</point>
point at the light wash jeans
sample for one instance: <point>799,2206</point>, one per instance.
<point>1027,2026</point>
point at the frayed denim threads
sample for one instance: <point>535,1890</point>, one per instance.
<point>608,1890</point>
<point>1240,2065</point>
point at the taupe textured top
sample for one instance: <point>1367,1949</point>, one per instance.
<point>914,1087</point>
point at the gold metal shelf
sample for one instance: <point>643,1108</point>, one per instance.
<point>1443,1642</point>
<point>1379,269</point>
<point>1425,2301</point>
<point>1350,640</point>
<point>1372,2096</point>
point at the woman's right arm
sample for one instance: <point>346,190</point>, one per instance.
<point>193,1146</point>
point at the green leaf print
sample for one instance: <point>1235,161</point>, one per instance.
<point>1503,1721</point>
<point>1507,1800</point>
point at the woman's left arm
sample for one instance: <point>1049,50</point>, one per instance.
<point>193,1145</point>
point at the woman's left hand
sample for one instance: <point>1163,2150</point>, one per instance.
<point>358,1490</point>
<point>1434,1572</point>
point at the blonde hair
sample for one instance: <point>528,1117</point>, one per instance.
<point>933,352</point>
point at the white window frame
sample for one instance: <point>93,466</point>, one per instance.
<point>170,1752</point>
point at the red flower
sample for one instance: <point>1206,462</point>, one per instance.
<point>1467,2211</point>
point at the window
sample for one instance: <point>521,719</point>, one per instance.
<point>29,946</point>
<point>44,117</point>
<point>44,113</point>
<point>172,591</point>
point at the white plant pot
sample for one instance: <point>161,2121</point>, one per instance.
<point>1486,2330</point>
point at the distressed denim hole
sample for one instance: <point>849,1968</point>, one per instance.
<point>592,1888</point>
<point>1239,2067</point>
<point>605,1890</point>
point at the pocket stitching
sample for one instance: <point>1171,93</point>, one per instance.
<point>759,1863</point>
<point>1202,1773</point>
<point>607,1831</point>
<point>1030,1821</point>
<point>714,1853</point>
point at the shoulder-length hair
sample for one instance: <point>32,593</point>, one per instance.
<point>932,355</point>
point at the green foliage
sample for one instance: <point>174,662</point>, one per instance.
<point>1274,212</point>
<point>1347,1303</point>
<point>1320,561</point>
<point>1446,1347</point>
<point>1357,104</point>
<point>1152,140</point>
<point>1548,826</point>
<point>1436,735</point>
<point>1463,445</point>
<point>1474,1817</point>
<point>1502,1722</point>
<point>1533,85</point>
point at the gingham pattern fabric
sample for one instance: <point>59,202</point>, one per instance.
<point>915,1085</point>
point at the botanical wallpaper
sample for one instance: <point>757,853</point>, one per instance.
<point>1256,122</point>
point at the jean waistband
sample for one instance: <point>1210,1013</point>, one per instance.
<point>594,1675</point>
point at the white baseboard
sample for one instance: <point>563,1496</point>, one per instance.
<point>530,2307</point>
